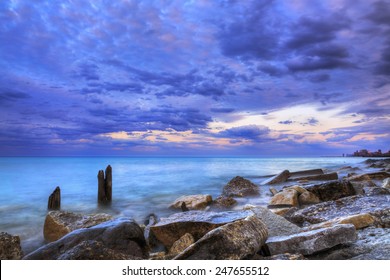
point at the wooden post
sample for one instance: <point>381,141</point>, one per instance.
<point>54,202</point>
<point>101,187</point>
<point>108,182</point>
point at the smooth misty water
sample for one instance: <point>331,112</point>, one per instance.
<point>140,185</point>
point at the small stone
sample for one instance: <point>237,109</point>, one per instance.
<point>192,202</point>
<point>10,247</point>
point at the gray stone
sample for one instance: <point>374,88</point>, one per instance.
<point>276,224</point>
<point>120,235</point>
<point>277,179</point>
<point>192,202</point>
<point>10,247</point>
<point>197,223</point>
<point>285,198</point>
<point>370,176</point>
<point>234,241</point>
<point>332,190</point>
<point>59,223</point>
<point>239,187</point>
<point>308,243</point>
<point>309,172</point>
<point>321,177</point>
<point>386,183</point>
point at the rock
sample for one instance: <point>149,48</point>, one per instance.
<point>181,244</point>
<point>306,173</point>
<point>151,240</point>
<point>240,187</point>
<point>234,241</point>
<point>10,247</point>
<point>308,243</point>
<point>372,244</point>
<point>59,223</point>
<point>192,202</point>
<point>280,178</point>
<point>386,183</point>
<point>376,191</point>
<point>280,211</point>
<point>308,198</point>
<point>370,176</point>
<point>197,223</point>
<point>299,189</point>
<point>54,202</point>
<point>276,224</point>
<point>377,206</point>
<point>121,235</point>
<point>273,191</point>
<point>360,186</point>
<point>332,190</point>
<point>287,197</point>
<point>359,221</point>
<point>321,177</point>
<point>93,250</point>
<point>284,257</point>
<point>224,202</point>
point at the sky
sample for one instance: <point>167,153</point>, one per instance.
<point>194,78</point>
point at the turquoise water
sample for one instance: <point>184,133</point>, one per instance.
<point>140,185</point>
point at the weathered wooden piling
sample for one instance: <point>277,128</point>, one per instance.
<point>105,186</point>
<point>54,202</point>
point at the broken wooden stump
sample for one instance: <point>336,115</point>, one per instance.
<point>105,186</point>
<point>54,202</point>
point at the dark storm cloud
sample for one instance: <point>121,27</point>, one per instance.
<point>380,13</point>
<point>383,66</point>
<point>250,132</point>
<point>12,96</point>
<point>308,63</point>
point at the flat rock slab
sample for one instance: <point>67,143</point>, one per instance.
<point>320,177</point>
<point>359,221</point>
<point>285,198</point>
<point>192,202</point>
<point>332,190</point>
<point>121,235</point>
<point>370,176</point>
<point>10,247</point>
<point>234,241</point>
<point>59,223</point>
<point>378,206</point>
<point>276,225</point>
<point>240,187</point>
<point>277,179</point>
<point>308,243</point>
<point>197,223</point>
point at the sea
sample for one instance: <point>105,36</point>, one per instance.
<point>141,186</point>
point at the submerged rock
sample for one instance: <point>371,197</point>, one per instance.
<point>10,247</point>
<point>59,223</point>
<point>277,179</point>
<point>121,235</point>
<point>377,206</point>
<point>239,187</point>
<point>332,190</point>
<point>308,243</point>
<point>192,202</point>
<point>197,223</point>
<point>234,241</point>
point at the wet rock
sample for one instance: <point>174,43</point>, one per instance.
<point>309,172</point>
<point>308,243</point>
<point>377,206</point>
<point>299,189</point>
<point>359,221</point>
<point>192,202</point>
<point>332,190</point>
<point>239,187</point>
<point>280,211</point>
<point>181,244</point>
<point>308,198</point>
<point>376,191</point>
<point>59,223</point>
<point>361,186</point>
<point>197,223</point>
<point>386,183</point>
<point>121,235</point>
<point>370,176</point>
<point>273,191</point>
<point>93,250</point>
<point>287,197</point>
<point>322,177</point>
<point>276,224</point>
<point>10,247</point>
<point>234,241</point>
<point>224,202</point>
<point>280,178</point>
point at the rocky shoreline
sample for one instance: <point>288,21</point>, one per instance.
<point>311,214</point>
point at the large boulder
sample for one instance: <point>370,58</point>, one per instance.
<point>197,223</point>
<point>192,202</point>
<point>381,175</point>
<point>234,241</point>
<point>10,247</point>
<point>277,179</point>
<point>121,235</point>
<point>377,206</point>
<point>320,177</point>
<point>308,243</point>
<point>307,198</point>
<point>59,223</point>
<point>285,198</point>
<point>276,224</point>
<point>239,187</point>
<point>332,190</point>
